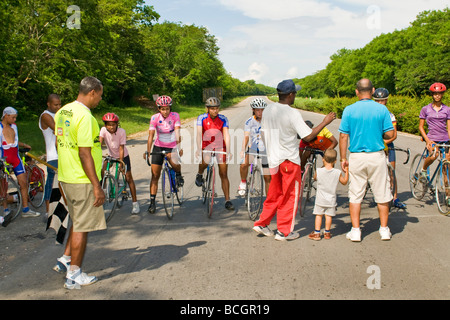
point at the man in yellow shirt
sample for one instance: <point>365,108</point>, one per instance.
<point>79,171</point>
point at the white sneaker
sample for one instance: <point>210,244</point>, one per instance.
<point>135,209</point>
<point>263,230</point>
<point>30,213</point>
<point>291,236</point>
<point>76,279</point>
<point>62,265</point>
<point>385,233</point>
<point>354,235</point>
<point>242,188</point>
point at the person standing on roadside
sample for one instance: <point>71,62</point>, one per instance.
<point>363,127</point>
<point>79,171</point>
<point>280,125</point>
<point>47,126</point>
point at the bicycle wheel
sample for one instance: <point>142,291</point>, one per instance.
<point>11,196</point>
<point>122,189</point>
<point>204,185</point>
<point>210,191</point>
<point>36,186</point>
<point>179,193</point>
<point>417,185</point>
<point>110,188</point>
<point>255,192</point>
<point>443,190</point>
<point>306,188</point>
<point>167,193</point>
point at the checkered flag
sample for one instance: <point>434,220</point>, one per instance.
<point>59,218</point>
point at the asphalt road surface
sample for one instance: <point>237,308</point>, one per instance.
<point>196,258</point>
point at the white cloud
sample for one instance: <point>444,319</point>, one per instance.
<point>256,71</point>
<point>295,38</point>
<point>281,9</point>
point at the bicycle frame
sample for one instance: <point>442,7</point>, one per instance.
<point>208,192</point>
<point>251,187</point>
<point>307,183</point>
<point>175,190</point>
<point>426,154</point>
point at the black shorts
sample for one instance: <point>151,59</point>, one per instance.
<point>127,161</point>
<point>158,158</point>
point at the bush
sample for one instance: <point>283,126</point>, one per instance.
<point>405,108</point>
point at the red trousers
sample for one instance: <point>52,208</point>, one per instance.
<point>282,198</point>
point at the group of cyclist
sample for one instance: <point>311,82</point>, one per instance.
<point>213,134</point>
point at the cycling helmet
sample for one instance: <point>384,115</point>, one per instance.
<point>438,87</point>
<point>258,103</point>
<point>212,102</point>
<point>110,117</point>
<point>381,94</point>
<point>164,101</point>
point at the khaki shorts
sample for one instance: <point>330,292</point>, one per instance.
<point>369,167</point>
<point>80,203</point>
<point>320,211</point>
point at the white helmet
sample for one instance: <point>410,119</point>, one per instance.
<point>258,103</point>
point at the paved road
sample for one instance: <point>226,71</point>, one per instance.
<point>193,257</point>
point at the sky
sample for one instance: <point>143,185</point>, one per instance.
<point>272,40</point>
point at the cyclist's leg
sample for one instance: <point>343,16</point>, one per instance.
<point>23,183</point>
<point>223,173</point>
<point>129,178</point>
<point>156,173</point>
<point>429,159</point>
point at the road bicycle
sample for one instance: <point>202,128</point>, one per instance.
<point>170,186</point>
<point>208,185</point>
<point>10,194</point>
<point>437,184</point>
<point>114,185</point>
<point>35,179</point>
<point>308,184</point>
<point>254,192</point>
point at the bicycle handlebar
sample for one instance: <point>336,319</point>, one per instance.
<point>162,152</point>
<point>109,158</point>
<point>213,151</point>
<point>407,151</point>
<point>438,145</point>
<point>256,154</point>
<point>312,150</point>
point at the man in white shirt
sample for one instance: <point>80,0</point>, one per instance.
<point>280,125</point>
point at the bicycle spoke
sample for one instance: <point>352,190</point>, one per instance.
<point>418,184</point>
<point>36,186</point>
<point>443,190</point>
<point>109,186</point>
<point>255,192</point>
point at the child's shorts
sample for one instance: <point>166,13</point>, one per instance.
<point>320,211</point>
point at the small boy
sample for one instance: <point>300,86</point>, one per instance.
<point>328,179</point>
<point>115,139</point>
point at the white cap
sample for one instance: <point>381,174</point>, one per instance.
<point>8,110</point>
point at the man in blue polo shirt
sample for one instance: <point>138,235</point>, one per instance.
<point>364,125</point>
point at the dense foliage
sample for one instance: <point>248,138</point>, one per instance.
<point>49,46</point>
<point>405,62</point>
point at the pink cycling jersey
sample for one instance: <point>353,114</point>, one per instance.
<point>165,129</point>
